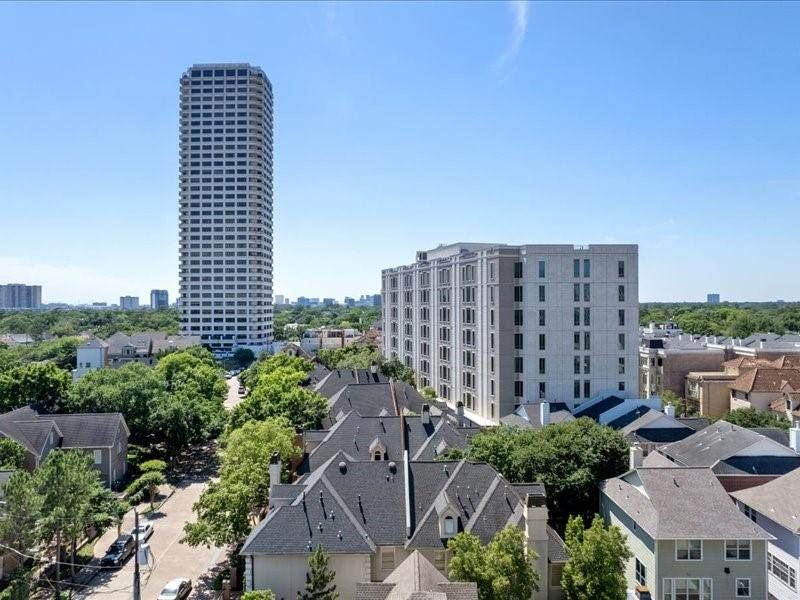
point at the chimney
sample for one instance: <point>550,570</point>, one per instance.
<point>669,410</point>
<point>460,413</point>
<point>426,414</point>
<point>536,532</point>
<point>544,413</point>
<point>794,436</point>
<point>636,455</point>
<point>274,472</point>
<point>761,343</point>
<point>373,368</point>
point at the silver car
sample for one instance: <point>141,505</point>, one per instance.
<point>177,589</point>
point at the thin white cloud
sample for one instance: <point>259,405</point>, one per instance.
<point>519,10</point>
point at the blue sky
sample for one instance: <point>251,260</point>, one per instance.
<point>402,126</point>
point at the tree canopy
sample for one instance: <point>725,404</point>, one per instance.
<point>12,454</point>
<point>569,458</point>
<point>102,323</point>
<point>226,508</point>
<point>502,569</point>
<point>752,417</point>
<point>307,317</point>
<point>727,319</point>
<point>596,566</point>
<point>43,384</point>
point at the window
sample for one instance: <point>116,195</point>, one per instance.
<point>586,268</point>
<point>98,457</point>
<point>576,366</point>
<point>542,365</point>
<point>742,587</point>
<point>518,341</point>
<point>576,340</point>
<point>621,365</point>
<point>576,267</point>
<point>576,386</point>
<point>518,389</point>
<point>621,341</point>
<point>786,574</point>
<point>541,317</point>
<point>641,573</point>
<point>542,342</point>
<point>737,549</point>
<point>621,293</point>
<point>621,268</point>
<point>541,269</point>
<point>587,292</point>
<point>621,386</point>
<point>518,364</point>
<point>587,389</point>
<point>576,292</point>
<point>518,317</point>
<point>587,340</point>
<point>542,390</point>
<point>687,589</point>
<point>576,316</point>
<point>587,316</point>
<point>517,270</point>
<point>541,293</point>
<point>449,526</point>
<point>377,455</point>
<point>517,293</point>
<point>688,550</point>
<point>587,365</point>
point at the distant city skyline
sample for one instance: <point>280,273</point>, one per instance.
<point>404,126</point>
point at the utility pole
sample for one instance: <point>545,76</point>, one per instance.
<point>137,593</point>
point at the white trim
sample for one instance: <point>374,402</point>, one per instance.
<point>749,587</point>
<point>725,550</point>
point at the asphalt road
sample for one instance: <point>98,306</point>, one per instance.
<point>170,558</point>
<point>233,398</point>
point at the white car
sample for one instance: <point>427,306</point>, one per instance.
<point>144,531</point>
<point>177,589</point>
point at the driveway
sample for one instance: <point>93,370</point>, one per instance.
<point>233,398</point>
<point>170,558</point>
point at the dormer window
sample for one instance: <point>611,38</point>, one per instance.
<point>377,450</point>
<point>449,526</point>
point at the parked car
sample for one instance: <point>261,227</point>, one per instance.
<point>118,552</point>
<point>177,589</point>
<point>144,531</point>
<point>242,390</point>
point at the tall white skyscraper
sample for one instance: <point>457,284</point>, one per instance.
<point>226,206</point>
<point>495,326</point>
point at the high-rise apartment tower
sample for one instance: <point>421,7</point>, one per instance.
<point>496,326</point>
<point>226,206</point>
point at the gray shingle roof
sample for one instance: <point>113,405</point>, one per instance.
<point>86,430</point>
<point>532,415</point>
<point>664,502</point>
<point>338,378</point>
<point>595,410</point>
<point>778,500</point>
<point>720,442</point>
<point>361,505</point>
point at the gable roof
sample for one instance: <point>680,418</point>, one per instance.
<point>723,442</point>
<point>338,378</point>
<point>529,415</point>
<point>416,578</point>
<point>354,506</point>
<point>593,410</point>
<point>777,500</point>
<point>31,428</point>
<point>664,501</point>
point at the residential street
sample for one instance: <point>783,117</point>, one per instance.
<point>233,398</point>
<point>170,558</point>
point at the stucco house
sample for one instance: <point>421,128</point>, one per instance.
<point>686,537</point>
<point>104,436</point>
<point>369,516</point>
<point>775,507</point>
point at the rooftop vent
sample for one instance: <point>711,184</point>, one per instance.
<point>343,467</point>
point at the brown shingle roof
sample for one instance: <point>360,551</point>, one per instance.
<point>766,379</point>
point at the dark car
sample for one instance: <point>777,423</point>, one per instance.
<point>118,552</point>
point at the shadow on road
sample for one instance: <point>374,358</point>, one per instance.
<point>198,464</point>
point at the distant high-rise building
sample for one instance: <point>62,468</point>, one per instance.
<point>278,299</point>
<point>712,298</point>
<point>329,301</point>
<point>348,301</point>
<point>128,302</point>
<point>376,299</point>
<point>20,296</point>
<point>159,299</point>
<point>226,206</point>
<point>495,326</point>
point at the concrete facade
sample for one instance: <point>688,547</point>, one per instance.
<point>226,206</point>
<point>664,363</point>
<point>20,296</point>
<point>707,393</point>
<point>159,299</point>
<point>496,326</point>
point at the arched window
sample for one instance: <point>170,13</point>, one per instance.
<point>378,455</point>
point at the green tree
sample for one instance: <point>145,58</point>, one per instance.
<point>12,454</point>
<point>225,509</point>
<point>22,512</point>
<point>569,458</point>
<point>43,384</point>
<point>503,569</point>
<point>153,465</point>
<point>320,579</point>
<point>244,357</point>
<point>73,498</point>
<point>259,595</point>
<point>397,370</point>
<point>596,566</point>
<point>752,417</point>
<point>429,393</point>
